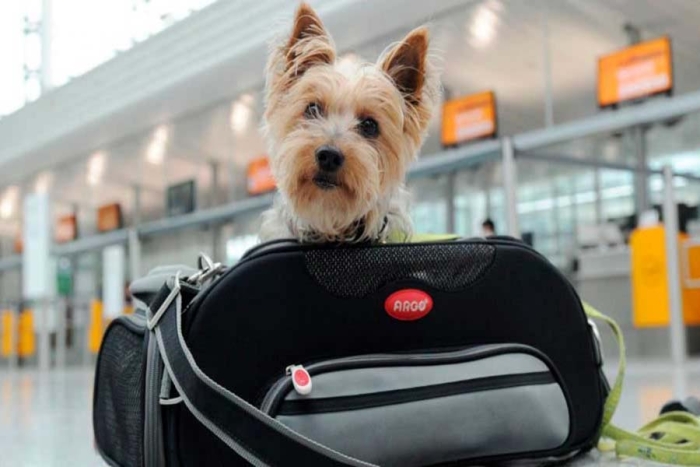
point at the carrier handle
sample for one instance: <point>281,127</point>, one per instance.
<point>251,433</point>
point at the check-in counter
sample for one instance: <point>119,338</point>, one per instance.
<point>604,278</point>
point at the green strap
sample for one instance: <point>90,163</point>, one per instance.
<point>401,237</point>
<point>672,438</point>
<point>616,391</point>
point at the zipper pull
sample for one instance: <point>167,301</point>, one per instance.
<point>301,379</point>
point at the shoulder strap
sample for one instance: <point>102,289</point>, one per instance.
<point>255,436</point>
<point>616,391</point>
<point>673,438</point>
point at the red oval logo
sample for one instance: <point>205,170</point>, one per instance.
<point>408,304</point>
<point>301,377</point>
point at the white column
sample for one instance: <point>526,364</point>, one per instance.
<point>547,68</point>
<point>134,254</point>
<point>113,280</point>
<point>675,297</point>
<point>510,186</point>
<point>39,271</point>
<point>598,189</point>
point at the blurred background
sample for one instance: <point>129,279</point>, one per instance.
<point>129,138</point>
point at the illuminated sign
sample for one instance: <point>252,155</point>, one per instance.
<point>469,118</point>
<point>641,70</point>
<point>260,178</point>
<point>109,217</point>
<point>66,229</point>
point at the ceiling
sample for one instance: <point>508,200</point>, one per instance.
<point>487,44</point>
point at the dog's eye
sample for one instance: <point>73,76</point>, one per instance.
<point>368,127</point>
<point>313,110</point>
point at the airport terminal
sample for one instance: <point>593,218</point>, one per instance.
<point>145,321</point>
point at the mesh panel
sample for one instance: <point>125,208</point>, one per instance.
<point>118,416</point>
<point>356,272</point>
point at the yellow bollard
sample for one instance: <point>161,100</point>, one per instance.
<point>7,341</point>
<point>96,328</point>
<point>27,340</point>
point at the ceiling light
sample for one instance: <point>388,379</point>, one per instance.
<point>96,168</point>
<point>247,99</point>
<point>43,182</point>
<point>6,209</point>
<point>482,27</point>
<point>241,112</point>
<point>9,202</point>
<point>161,134</point>
<point>155,154</point>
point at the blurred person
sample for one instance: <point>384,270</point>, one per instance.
<point>488,228</point>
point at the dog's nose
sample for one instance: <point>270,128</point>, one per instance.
<point>329,159</point>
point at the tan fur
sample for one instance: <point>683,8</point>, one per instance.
<point>399,92</point>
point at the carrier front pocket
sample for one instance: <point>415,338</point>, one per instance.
<point>431,408</point>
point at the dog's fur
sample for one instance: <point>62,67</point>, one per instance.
<point>368,200</point>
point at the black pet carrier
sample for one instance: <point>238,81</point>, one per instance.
<point>424,354</point>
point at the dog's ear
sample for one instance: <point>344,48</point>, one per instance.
<point>407,64</point>
<point>309,43</point>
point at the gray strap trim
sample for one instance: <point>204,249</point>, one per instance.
<point>175,292</point>
<point>165,385</point>
<point>141,304</point>
<point>244,405</point>
<point>171,401</point>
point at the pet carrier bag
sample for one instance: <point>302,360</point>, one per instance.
<point>420,354</point>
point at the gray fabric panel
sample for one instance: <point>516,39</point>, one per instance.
<point>370,380</point>
<point>520,419</point>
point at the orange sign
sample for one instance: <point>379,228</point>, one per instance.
<point>67,229</point>
<point>260,178</point>
<point>109,217</point>
<point>19,244</point>
<point>468,118</point>
<point>638,71</point>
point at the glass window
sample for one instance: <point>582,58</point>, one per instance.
<point>241,235</point>
<point>429,205</point>
<point>82,34</point>
<point>11,56</point>
<point>478,196</point>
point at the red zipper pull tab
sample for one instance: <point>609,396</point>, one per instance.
<point>301,379</point>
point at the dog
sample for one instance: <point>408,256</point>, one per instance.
<point>342,134</point>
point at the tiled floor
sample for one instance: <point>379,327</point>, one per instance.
<point>45,419</point>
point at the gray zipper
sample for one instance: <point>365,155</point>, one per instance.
<point>282,386</point>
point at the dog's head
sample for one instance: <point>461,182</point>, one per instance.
<point>342,133</point>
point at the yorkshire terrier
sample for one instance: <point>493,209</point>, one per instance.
<point>342,134</point>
